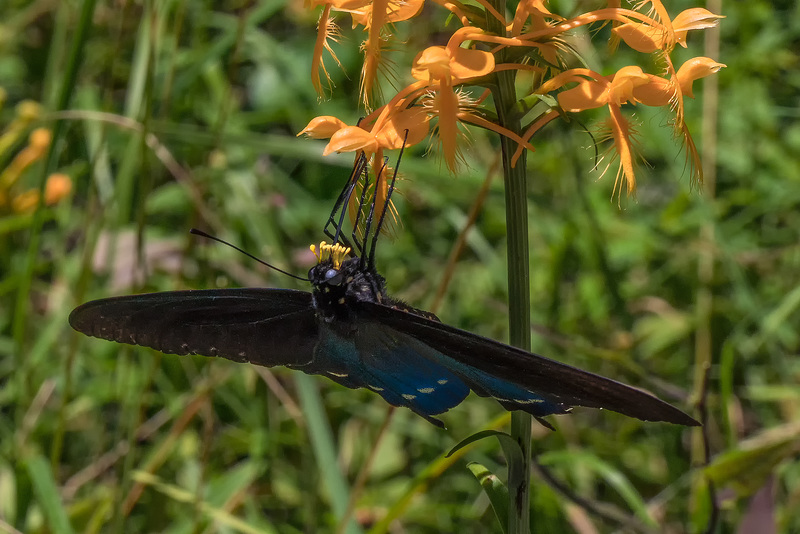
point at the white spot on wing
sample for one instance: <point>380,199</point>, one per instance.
<point>529,401</point>
<point>425,390</point>
<point>409,397</point>
<point>340,375</point>
<point>374,388</point>
<point>441,382</point>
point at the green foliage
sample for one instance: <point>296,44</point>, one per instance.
<point>183,114</point>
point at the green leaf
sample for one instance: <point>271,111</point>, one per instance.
<point>495,490</point>
<point>747,468</point>
<point>46,491</point>
<point>613,476</point>
<point>509,445</point>
<point>179,494</point>
<point>321,435</point>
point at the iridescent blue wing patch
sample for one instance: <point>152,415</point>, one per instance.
<point>395,366</point>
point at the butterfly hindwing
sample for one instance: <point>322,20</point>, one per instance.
<point>435,382</point>
<point>492,367</point>
<point>408,367</point>
<point>262,326</point>
<point>389,363</point>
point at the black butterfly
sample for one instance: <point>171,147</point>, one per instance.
<point>351,331</point>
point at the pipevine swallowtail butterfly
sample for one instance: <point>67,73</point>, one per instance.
<point>349,330</point>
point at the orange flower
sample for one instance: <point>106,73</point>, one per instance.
<point>533,42</point>
<point>376,16</point>
<point>661,92</point>
<point>322,127</point>
<point>597,91</point>
<point>390,131</point>
<point>593,91</point>
<point>451,66</point>
<point>27,111</point>
<point>536,11</point>
<point>664,35</point>
<point>326,31</point>
<point>38,142</point>
<point>449,107</point>
<point>58,186</point>
<point>442,68</point>
<point>632,85</point>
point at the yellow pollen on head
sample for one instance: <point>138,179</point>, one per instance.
<point>336,253</point>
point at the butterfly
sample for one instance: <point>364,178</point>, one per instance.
<point>350,330</point>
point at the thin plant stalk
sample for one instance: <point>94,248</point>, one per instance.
<point>505,100</point>
<point>702,490</point>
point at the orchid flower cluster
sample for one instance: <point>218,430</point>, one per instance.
<point>443,95</point>
<point>58,185</point>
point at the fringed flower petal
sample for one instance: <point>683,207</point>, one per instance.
<point>445,102</point>
<point>622,133</point>
<point>326,31</point>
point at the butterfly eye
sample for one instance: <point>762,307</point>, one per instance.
<point>333,277</point>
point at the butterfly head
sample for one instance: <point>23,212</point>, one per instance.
<point>328,271</point>
<point>339,281</point>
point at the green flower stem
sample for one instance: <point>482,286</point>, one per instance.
<point>505,100</point>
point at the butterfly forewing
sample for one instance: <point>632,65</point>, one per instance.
<point>263,326</point>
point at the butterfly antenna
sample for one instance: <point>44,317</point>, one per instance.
<point>386,204</point>
<point>201,233</point>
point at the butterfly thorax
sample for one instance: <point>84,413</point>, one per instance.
<point>338,283</point>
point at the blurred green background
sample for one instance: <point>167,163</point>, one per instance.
<point>184,114</point>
